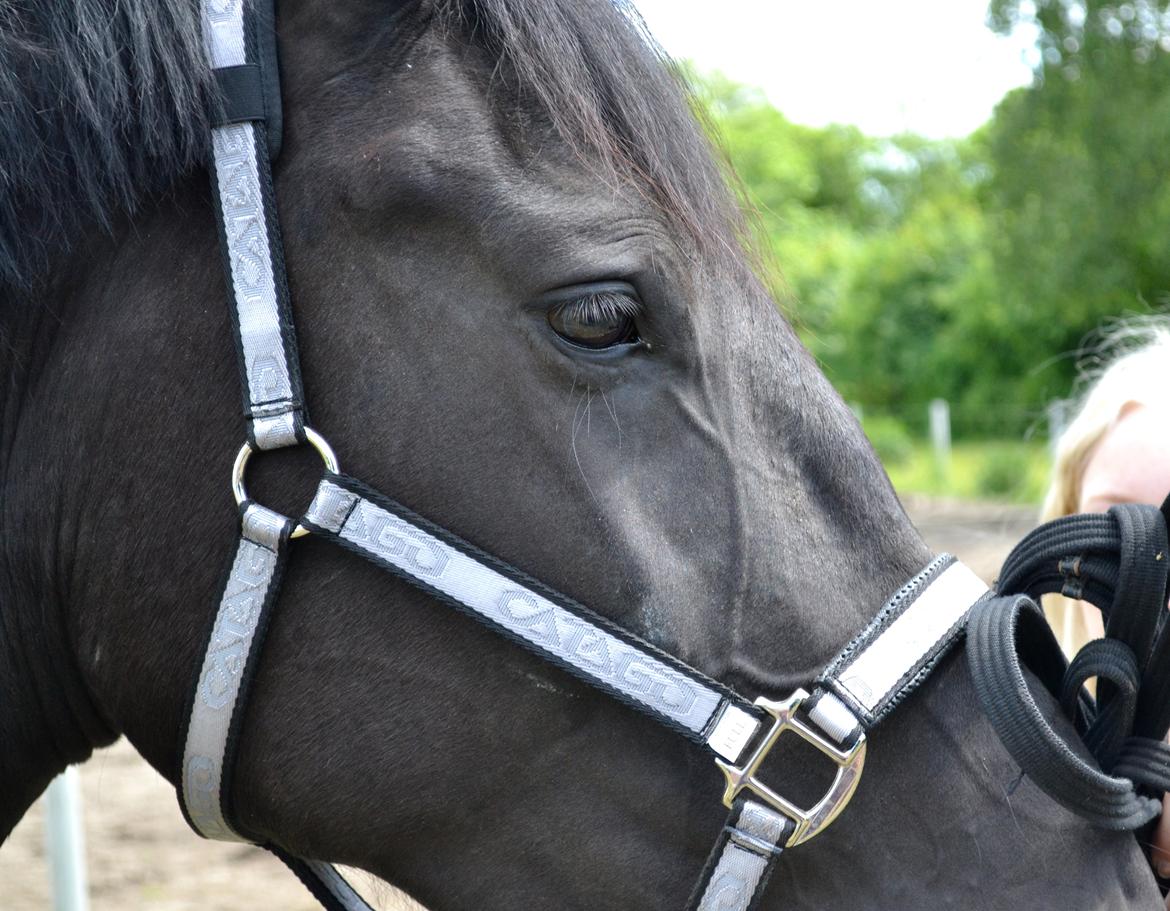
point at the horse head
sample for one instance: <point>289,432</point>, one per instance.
<point>525,310</point>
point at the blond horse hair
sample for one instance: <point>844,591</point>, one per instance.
<point>1130,364</point>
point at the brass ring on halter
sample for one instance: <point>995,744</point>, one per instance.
<point>240,492</point>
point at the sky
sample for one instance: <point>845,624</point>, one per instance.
<point>928,66</point>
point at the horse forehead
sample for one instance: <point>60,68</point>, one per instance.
<point>426,158</point>
<point>429,168</point>
<point>437,127</point>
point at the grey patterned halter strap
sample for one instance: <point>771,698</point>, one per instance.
<point>872,674</point>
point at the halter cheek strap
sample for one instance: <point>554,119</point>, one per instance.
<point>555,627</point>
<point>240,39</point>
<point>212,730</point>
<point>235,33</point>
<point>866,681</point>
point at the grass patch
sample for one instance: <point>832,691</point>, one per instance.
<point>1008,470</point>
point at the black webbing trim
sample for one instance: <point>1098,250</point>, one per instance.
<point>523,579</point>
<point>895,606</point>
<point>311,881</point>
<point>261,50</point>
<point>240,95</point>
<point>999,630</point>
<point>232,747</point>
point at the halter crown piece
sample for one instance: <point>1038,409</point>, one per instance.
<point>864,683</point>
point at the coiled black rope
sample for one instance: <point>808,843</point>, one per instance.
<point>1119,562</point>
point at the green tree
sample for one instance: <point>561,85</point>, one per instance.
<point>806,188</point>
<point>881,242</point>
<point>968,269</point>
<point>1079,197</point>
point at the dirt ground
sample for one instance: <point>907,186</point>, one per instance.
<point>141,855</point>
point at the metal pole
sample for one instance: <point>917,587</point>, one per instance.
<point>940,437</point>
<point>66,843</point>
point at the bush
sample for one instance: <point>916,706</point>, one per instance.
<point>1004,472</point>
<point>890,439</point>
<point>1014,470</point>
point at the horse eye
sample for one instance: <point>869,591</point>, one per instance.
<point>596,317</point>
<point>591,330</point>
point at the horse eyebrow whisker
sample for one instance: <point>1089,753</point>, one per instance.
<point>612,409</point>
<point>579,418</point>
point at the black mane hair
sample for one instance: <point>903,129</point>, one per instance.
<point>103,104</point>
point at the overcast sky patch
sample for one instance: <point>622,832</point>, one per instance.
<point>926,66</point>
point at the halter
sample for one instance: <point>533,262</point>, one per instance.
<point>868,679</point>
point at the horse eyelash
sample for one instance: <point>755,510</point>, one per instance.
<point>605,305</point>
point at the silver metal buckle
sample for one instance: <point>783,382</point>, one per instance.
<point>849,764</point>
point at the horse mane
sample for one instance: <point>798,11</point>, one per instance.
<point>103,104</point>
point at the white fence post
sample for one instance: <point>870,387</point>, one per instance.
<point>940,436</point>
<point>1057,422</point>
<point>66,843</point>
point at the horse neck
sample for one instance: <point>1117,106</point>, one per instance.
<point>48,719</point>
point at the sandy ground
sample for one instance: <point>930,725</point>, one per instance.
<point>141,855</point>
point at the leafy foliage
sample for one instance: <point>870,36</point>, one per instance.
<point>1079,194</point>
<point>882,243</point>
<point>972,269</point>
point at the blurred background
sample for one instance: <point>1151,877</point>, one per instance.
<point>953,199</point>
<point>956,197</point>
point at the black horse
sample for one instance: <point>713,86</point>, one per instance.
<point>446,165</point>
